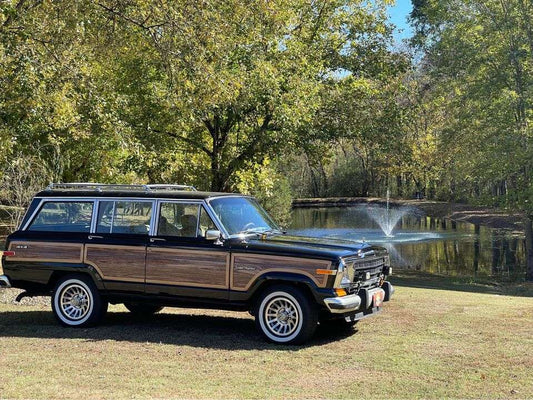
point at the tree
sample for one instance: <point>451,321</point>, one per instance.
<point>50,106</point>
<point>237,82</point>
<point>480,56</point>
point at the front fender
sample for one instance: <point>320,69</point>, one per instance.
<point>290,278</point>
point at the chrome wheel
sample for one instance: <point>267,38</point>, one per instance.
<point>281,316</point>
<point>75,302</point>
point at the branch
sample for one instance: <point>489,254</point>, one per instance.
<point>210,128</point>
<point>253,144</point>
<point>141,25</point>
<point>318,21</point>
<point>185,140</point>
<point>8,19</point>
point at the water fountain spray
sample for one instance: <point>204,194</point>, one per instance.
<point>386,218</point>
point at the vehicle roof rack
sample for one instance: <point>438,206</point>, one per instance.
<point>101,187</point>
<point>170,187</point>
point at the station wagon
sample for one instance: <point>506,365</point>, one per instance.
<point>152,246</point>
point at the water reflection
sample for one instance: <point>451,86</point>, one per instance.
<point>434,245</point>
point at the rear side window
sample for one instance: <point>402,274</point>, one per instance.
<point>127,217</point>
<point>63,216</point>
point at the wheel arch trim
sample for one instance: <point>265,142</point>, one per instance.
<point>295,279</point>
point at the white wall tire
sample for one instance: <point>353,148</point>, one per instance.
<point>285,316</point>
<point>76,302</point>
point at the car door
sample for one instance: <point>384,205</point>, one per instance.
<point>116,248</point>
<point>180,261</point>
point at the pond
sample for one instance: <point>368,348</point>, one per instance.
<point>421,242</point>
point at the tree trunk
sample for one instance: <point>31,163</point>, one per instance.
<point>218,181</point>
<point>399,185</point>
<point>529,247</point>
<point>220,173</point>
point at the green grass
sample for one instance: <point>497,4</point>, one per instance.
<point>481,284</point>
<point>429,343</point>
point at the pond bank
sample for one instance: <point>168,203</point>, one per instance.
<point>486,216</point>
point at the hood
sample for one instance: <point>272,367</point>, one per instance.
<point>303,246</point>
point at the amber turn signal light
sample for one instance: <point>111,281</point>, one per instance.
<point>326,271</point>
<point>340,292</point>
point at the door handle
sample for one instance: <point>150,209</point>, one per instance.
<point>91,237</point>
<point>153,240</point>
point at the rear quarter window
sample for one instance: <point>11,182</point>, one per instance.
<point>63,216</point>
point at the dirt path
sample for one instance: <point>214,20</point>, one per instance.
<point>486,216</point>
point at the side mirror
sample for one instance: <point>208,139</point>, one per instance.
<point>212,234</point>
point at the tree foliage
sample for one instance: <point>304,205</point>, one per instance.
<point>479,59</point>
<point>184,90</point>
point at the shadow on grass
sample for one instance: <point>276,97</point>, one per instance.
<point>423,280</point>
<point>214,332</point>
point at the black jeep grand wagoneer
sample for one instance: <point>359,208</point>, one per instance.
<point>151,246</point>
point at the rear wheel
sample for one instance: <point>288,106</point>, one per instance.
<point>285,315</point>
<point>141,310</point>
<point>76,302</point>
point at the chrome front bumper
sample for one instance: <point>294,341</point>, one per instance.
<point>4,282</point>
<point>352,302</point>
<point>338,305</point>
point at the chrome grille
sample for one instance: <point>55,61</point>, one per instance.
<point>362,266</point>
<point>366,264</point>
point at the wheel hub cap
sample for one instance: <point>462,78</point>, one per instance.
<point>75,302</point>
<point>281,317</point>
<point>78,301</point>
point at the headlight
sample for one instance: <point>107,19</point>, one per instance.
<point>345,274</point>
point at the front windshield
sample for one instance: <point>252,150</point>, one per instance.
<point>242,215</point>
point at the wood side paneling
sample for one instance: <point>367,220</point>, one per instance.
<point>182,267</point>
<point>46,251</point>
<point>246,268</point>
<point>125,263</point>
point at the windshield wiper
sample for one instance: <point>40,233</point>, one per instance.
<point>256,230</point>
<point>259,231</point>
<point>271,231</point>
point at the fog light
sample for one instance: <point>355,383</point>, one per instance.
<point>367,276</point>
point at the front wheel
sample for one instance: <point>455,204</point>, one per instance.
<point>284,315</point>
<point>76,302</point>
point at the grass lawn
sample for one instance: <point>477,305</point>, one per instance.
<point>428,342</point>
